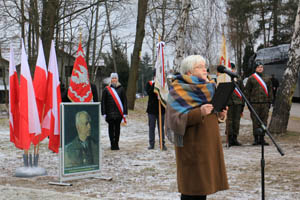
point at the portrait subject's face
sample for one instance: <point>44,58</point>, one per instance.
<point>84,126</point>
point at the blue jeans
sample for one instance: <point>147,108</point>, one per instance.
<point>151,121</point>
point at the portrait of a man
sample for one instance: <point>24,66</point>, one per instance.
<point>83,149</point>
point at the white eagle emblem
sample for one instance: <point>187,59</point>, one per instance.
<point>82,76</point>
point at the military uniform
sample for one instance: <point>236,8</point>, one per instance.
<point>260,101</point>
<point>79,153</point>
<point>235,108</point>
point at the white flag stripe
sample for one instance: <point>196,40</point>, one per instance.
<point>12,70</point>
<point>53,68</point>
<point>33,116</point>
<point>41,58</point>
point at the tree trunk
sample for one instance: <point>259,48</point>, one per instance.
<point>180,35</point>
<point>281,112</point>
<point>94,45</point>
<point>111,39</point>
<point>263,22</point>
<point>49,17</point>
<point>135,60</point>
<point>275,22</point>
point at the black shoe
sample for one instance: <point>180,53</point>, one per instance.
<point>164,148</point>
<point>236,143</point>
<point>256,140</point>
<point>265,143</point>
<point>231,141</point>
<point>255,143</point>
<point>115,147</point>
<point>150,147</point>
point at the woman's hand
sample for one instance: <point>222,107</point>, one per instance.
<point>223,114</point>
<point>206,109</point>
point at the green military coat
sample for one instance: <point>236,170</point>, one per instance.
<point>76,155</point>
<point>254,91</point>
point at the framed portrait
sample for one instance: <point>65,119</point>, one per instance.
<point>80,139</point>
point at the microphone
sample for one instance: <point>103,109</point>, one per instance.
<point>222,69</point>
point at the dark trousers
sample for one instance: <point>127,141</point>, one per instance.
<point>262,111</point>
<point>114,131</point>
<point>152,119</point>
<point>233,119</point>
<point>189,197</point>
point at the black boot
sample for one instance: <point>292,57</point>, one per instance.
<point>112,145</point>
<point>256,142</point>
<point>117,146</point>
<point>262,140</point>
<point>230,141</point>
<point>235,141</point>
<point>117,137</point>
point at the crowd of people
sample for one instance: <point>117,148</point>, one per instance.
<point>189,122</point>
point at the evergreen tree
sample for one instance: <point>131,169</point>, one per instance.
<point>121,61</point>
<point>145,73</point>
<point>246,66</point>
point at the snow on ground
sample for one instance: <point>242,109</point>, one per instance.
<point>138,173</point>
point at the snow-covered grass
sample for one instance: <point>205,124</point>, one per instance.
<point>139,173</point>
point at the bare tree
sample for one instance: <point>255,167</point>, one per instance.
<point>281,111</point>
<point>181,32</point>
<point>203,29</point>
<point>139,37</point>
<point>162,18</point>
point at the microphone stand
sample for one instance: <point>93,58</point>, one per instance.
<point>262,131</point>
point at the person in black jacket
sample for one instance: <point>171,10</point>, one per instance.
<point>112,96</point>
<point>153,115</point>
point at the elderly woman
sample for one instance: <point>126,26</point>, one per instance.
<point>114,109</point>
<point>193,127</point>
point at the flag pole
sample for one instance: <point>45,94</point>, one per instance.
<point>160,125</point>
<point>80,35</point>
<point>159,114</point>
<point>36,149</point>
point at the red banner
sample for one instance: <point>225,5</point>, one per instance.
<point>80,88</point>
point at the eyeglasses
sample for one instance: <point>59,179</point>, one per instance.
<point>200,67</point>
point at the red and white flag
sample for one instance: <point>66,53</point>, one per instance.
<point>79,87</point>
<point>161,88</point>
<point>29,116</point>
<point>40,87</point>
<point>13,101</point>
<point>224,60</point>
<point>51,121</point>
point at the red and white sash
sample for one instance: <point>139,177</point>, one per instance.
<point>117,100</point>
<point>151,82</point>
<point>261,83</point>
<point>237,92</point>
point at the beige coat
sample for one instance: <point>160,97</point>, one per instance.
<point>200,162</point>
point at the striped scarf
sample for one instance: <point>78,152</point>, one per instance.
<point>185,94</point>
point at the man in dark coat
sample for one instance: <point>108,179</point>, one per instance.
<point>259,92</point>
<point>83,149</point>
<point>111,111</point>
<point>153,114</point>
<point>235,110</point>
